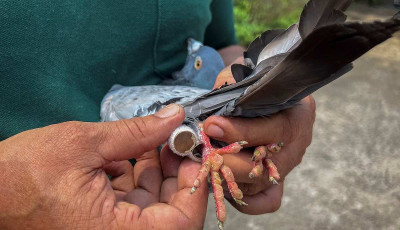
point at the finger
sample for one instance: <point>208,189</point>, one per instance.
<point>169,162</point>
<point>256,131</point>
<point>266,201</point>
<point>181,211</point>
<point>248,189</point>
<point>287,159</point>
<point>127,139</point>
<point>196,211</point>
<point>122,175</point>
<point>147,178</point>
<point>241,165</point>
<point>225,77</point>
<point>168,189</point>
<point>283,126</point>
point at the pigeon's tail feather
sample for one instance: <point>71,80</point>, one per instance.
<point>255,47</point>
<point>267,111</point>
<point>321,55</point>
<point>318,13</point>
<point>281,43</point>
<point>311,89</point>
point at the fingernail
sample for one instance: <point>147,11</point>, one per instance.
<point>168,111</point>
<point>214,131</point>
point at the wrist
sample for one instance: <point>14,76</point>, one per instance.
<point>232,54</point>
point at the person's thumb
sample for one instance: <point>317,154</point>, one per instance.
<point>130,138</point>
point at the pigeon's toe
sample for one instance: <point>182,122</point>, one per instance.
<point>262,159</point>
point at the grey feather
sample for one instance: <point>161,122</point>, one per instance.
<point>281,44</point>
<point>319,13</point>
<point>255,47</point>
<point>136,101</point>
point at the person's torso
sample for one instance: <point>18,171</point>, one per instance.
<point>59,58</point>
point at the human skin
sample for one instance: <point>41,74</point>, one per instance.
<point>55,177</point>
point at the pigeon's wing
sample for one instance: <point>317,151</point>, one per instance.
<point>321,56</point>
<point>136,101</point>
<point>209,103</point>
<point>255,47</point>
<point>318,13</point>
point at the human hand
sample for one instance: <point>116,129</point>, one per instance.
<point>55,177</point>
<point>292,126</point>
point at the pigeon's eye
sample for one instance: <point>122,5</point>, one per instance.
<point>197,63</point>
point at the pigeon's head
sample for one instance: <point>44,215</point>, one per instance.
<point>202,66</point>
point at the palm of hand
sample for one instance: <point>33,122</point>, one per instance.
<point>58,175</point>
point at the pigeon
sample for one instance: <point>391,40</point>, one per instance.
<point>197,77</point>
<point>203,64</point>
<point>281,68</point>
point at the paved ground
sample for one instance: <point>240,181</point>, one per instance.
<point>350,176</point>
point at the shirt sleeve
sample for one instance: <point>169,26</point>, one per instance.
<point>220,32</point>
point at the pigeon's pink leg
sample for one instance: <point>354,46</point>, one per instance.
<point>261,159</point>
<point>213,165</point>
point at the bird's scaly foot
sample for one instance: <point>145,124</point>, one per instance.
<point>213,165</point>
<point>262,159</point>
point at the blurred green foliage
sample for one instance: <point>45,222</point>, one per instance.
<point>252,17</point>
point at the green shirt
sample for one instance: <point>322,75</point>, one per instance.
<point>58,58</point>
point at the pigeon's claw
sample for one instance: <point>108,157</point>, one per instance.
<point>213,165</point>
<point>262,159</point>
<point>233,188</point>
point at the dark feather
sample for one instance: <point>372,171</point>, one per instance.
<point>322,54</point>
<point>319,13</point>
<point>216,99</point>
<point>271,109</point>
<point>240,72</point>
<point>281,44</point>
<point>255,47</point>
<point>282,80</point>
